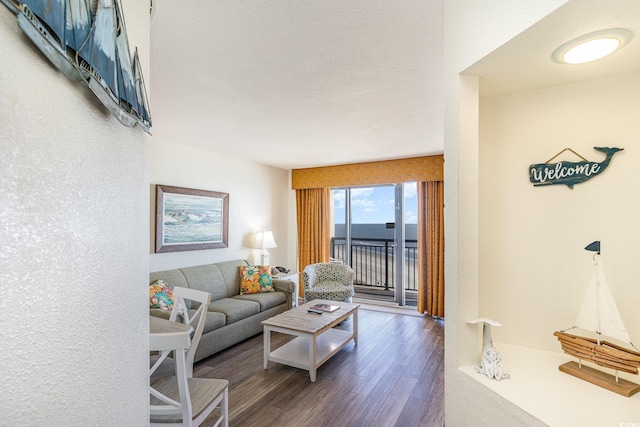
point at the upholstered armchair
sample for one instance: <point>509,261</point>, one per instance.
<point>329,281</point>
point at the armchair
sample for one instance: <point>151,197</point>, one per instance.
<point>330,281</point>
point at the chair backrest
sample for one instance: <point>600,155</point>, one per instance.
<point>178,400</point>
<point>315,273</point>
<point>161,404</point>
<point>196,320</point>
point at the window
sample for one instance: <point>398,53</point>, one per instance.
<point>364,236</point>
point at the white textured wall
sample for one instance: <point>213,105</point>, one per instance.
<point>73,245</point>
<point>533,269</point>
<point>258,198</point>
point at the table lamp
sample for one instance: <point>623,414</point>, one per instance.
<point>264,240</point>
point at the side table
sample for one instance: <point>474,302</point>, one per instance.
<point>294,277</point>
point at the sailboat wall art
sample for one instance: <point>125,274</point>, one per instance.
<point>87,41</point>
<point>599,315</point>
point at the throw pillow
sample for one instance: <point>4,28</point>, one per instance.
<point>161,295</point>
<point>255,279</point>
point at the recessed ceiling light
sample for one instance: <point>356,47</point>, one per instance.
<point>592,46</point>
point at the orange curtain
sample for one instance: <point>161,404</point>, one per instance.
<point>431,248</point>
<point>314,236</point>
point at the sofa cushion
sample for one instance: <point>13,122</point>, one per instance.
<point>206,278</point>
<point>234,309</point>
<point>214,321</point>
<point>161,296</point>
<point>172,277</point>
<point>266,299</point>
<point>255,279</point>
<point>231,274</point>
<point>159,313</point>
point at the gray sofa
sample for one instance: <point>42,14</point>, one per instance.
<point>231,317</point>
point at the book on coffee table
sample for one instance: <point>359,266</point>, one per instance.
<point>325,307</point>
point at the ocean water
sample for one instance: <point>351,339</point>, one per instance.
<point>192,219</point>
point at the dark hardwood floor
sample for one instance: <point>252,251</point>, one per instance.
<point>394,376</point>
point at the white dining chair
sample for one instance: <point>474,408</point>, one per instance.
<point>178,400</point>
<point>195,318</point>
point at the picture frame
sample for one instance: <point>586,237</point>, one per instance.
<point>188,219</point>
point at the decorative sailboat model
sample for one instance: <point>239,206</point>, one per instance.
<point>599,313</point>
<point>87,40</point>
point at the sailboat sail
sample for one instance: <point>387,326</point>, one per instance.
<point>127,88</point>
<point>78,23</point>
<point>599,311</point>
<point>52,13</point>
<point>100,50</point>
<point>44,22</point>
<point>141,93</point>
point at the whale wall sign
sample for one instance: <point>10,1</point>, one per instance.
<point>570,173</point>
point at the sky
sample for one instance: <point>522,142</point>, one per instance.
<point>375,205</point>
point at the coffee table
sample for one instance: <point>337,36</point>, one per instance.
<point>316,338</point>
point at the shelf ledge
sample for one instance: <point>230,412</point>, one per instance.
<point>555,398</point>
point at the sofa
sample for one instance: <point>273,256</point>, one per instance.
<point>231,317</point>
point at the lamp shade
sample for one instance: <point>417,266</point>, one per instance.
<point>264,240</point>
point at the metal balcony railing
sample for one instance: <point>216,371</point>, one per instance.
<point>373,261</point>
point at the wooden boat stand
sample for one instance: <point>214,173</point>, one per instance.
<point>601,379</point>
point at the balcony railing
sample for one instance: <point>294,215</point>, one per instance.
<point>373,261</point>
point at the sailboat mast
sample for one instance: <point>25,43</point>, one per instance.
<point>596,258</point>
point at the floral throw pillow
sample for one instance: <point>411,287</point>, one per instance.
<point>255,279</point>
<point>161,295</point>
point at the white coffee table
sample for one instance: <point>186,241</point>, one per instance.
<point>316,338</point>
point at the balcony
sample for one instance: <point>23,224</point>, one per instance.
<point>372,259</point>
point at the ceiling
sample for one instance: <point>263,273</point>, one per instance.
<point>297,84</point>
<point>524,63</point>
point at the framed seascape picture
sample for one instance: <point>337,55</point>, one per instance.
<point>190,220</point>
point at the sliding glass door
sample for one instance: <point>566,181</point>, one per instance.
<point>374,231</point>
